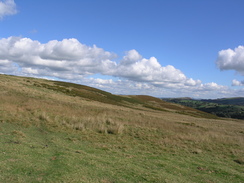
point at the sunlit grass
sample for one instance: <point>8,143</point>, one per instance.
<point>47,135</point>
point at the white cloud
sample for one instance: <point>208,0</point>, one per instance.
<point>231,59</point>
<point>237,83</point>
<point>212,86</point>
<point>7,67</point>
<point>73,61</point>
<point>191,82</point>
<point>7,7</point>
<point>59,58</point>
<point>56,57</point>
<point>136,68</point>
<point>103,81</point>
<point>131,57</point>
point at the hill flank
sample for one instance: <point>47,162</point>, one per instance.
<point>63,132</point>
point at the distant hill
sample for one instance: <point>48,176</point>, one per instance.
<point>224,107</point>
<point>227,101</point>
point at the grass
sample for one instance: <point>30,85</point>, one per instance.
<point>47,135</point>
<point>42,155</point>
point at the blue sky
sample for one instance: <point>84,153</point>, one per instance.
<point>163,48</point>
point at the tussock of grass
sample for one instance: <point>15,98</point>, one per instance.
<point>19,133</point>
<point>44,117</point>
<point>101,124</point>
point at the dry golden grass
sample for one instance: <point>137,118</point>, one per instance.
<point>23,102</point>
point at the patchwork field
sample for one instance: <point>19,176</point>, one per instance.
<point>226,107</point>
<point>62,132</point>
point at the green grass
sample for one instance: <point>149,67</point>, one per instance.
<point>38,154</point>
<point>49,135</point>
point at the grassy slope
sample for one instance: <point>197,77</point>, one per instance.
<point>60,132</point>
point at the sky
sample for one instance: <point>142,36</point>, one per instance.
<point>162,48</point>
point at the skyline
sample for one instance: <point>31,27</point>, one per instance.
<point>158,48</point>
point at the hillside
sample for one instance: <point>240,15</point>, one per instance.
<point>226,107</point>
<point>227,101</point>
<point>54,131</point>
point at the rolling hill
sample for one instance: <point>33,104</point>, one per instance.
<point>225,107</point>
<point>227,101</point>
<point>52,131</point>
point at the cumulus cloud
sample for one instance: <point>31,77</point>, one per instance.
<point>136,68</point>
<point>237,83</point>
<point>73,61</point>
<point>71,58</point>
<point>212,86</point>
<point>231,59</point>
<point>56,58</point>
<point>7,67</point>
<point>7,7</point>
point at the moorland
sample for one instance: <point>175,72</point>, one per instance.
<point>52,131</point>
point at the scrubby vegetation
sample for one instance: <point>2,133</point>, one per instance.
<point>62,132</point>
